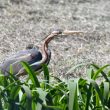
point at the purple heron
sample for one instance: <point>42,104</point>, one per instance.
<point>34,56</point>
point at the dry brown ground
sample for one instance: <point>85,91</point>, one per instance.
<point>28,21</point>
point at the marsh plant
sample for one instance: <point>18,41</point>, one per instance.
<point>51,93</point>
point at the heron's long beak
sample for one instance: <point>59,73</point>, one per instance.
<point>60,32</point>
<point>67,32</point>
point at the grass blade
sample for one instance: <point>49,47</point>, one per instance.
<point>89,94</point>
<point>101,70</point>
<point>42,96</point>
<point>31,74</point>
<point>106,91</point>
<point>28,104</point>
<point>73,102</point>
<point>96,87</point>
<point>46,73</point>
<point>75,67</point>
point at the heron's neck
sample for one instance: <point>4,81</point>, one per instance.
<point>45,47</point>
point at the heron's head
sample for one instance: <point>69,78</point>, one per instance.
<point>61,32</point>
<point>53,34</point>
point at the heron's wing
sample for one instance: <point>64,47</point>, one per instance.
<point>35,66</point>
<point>17,55</point>
<point>30,56</point>
<point>37,57</point>
<point>33,51</point>
<point>18,67</point>
<point>5,67</point>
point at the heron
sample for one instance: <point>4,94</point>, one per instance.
<point>35,56</point>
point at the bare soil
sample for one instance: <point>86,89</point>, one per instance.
<point>23,22</point>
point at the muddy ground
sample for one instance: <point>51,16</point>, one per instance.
<point>28,21</point>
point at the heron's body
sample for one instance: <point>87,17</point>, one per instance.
<point>29,55</point>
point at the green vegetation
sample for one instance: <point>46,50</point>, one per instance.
<point>51,93</point>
